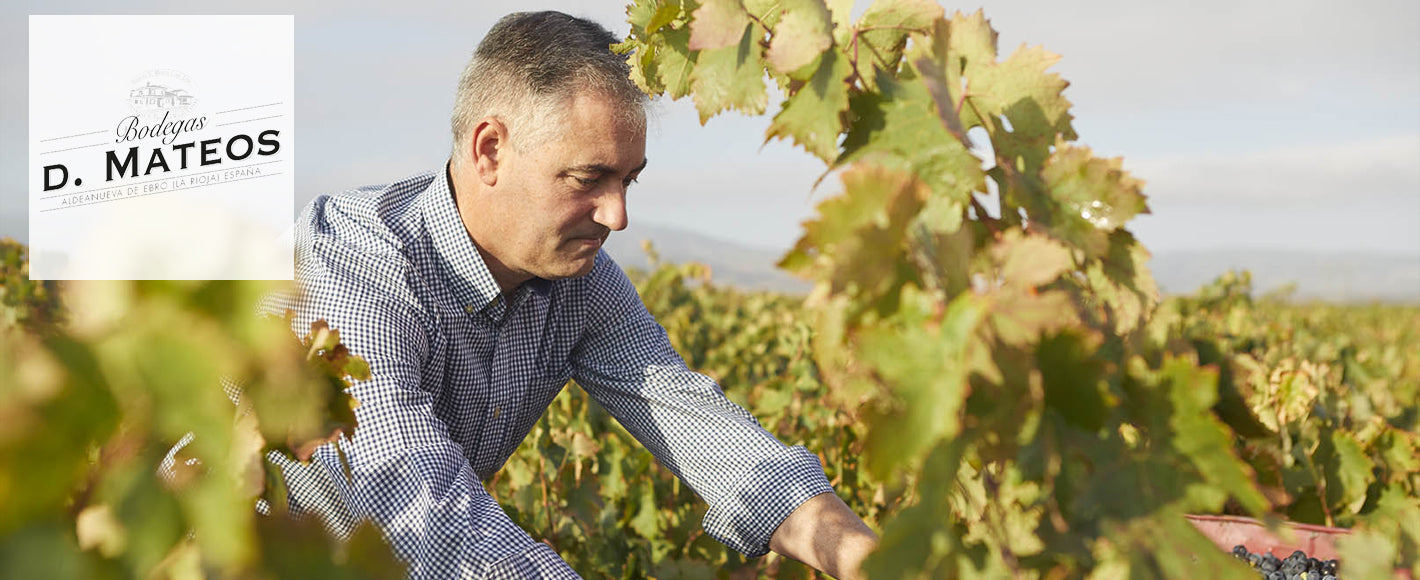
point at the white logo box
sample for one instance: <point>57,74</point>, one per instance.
<point>161,147</point>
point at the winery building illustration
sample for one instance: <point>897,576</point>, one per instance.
<point>151,96</point>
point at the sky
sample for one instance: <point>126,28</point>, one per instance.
<point>1257,125</point>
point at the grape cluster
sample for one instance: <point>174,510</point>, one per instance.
<point>1295,567</point>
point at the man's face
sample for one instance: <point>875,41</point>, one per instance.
<point>557,201</point>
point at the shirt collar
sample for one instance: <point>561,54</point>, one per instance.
<point>472,284</point>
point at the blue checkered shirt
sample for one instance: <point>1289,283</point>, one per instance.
<point>461,373</point>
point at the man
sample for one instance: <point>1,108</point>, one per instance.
<point>475,292</point>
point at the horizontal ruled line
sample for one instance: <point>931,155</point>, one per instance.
<point>71,136</point>
<point>246,108</point>
<point>73,148</point>
<point>248,120</point>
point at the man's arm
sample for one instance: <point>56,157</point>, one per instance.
<point>407,475</point>
<point>827,536</point>
<point>752,481</point>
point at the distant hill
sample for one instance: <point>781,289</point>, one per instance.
<point>1342,277</point>
<point>731,263</point>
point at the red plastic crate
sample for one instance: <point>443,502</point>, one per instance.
<point>1317,541</point>
<point>1227,531</point>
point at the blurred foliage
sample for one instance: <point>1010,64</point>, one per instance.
<point>122,455</point>
<point>89,411</point>
<point>32,305</point>
<point>1323,397</point>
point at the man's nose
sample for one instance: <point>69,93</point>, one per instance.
<point>611,210</point>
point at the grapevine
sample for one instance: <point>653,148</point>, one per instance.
<point>982,307</point>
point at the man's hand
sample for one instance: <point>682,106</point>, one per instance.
<point>824,534</point>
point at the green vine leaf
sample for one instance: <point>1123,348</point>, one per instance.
<point>731,77</point>
<point>858,238</point>
<point>1201,437</point>
<point>901,120</point>
<point>926,367</point>
<point>813,115</point>
<point>1347,470</point>
<point>675,62</point>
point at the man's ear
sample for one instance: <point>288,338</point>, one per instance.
<point>490,138</point>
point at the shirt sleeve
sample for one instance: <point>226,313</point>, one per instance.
<point>750,480</point>
<point>407,474</point>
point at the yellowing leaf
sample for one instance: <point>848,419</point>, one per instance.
<point>1123,280</point>
<point>1095,196</point>
<point>886,23</point>
<point>246,459</point>
<point>1030,98</point>
<point>767,12</point>
<point>804,32</point>
<point>717,24</point>
<point>97,528</point>
<point>645,72</point>
<point>970,37</point>
<point>1031,260</point>
<point>1020,315</point>
<point>841,14</point>
<point>883,29</point>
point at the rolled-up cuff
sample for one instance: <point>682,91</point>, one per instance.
<point>745,518</point>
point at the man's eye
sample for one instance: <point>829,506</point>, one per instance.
<point>585,181</point>
<point>628,181</point>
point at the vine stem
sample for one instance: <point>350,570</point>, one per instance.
<point>998,525</point>
<point>1057,519</point>
<point>983,217</point>
<point>546,503</point>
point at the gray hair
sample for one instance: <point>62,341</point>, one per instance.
<point>529,66</point>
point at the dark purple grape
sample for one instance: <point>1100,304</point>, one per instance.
<point>1297,566</point>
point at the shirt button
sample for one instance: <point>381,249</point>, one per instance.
<point>496,411</point>
<point>468,309</point>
